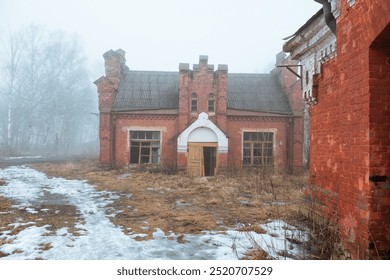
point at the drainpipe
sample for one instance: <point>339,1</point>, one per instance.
<point>329,18</point>
<point>290,146</point>
<point>112,125</point>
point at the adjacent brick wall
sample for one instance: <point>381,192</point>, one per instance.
<point>297,145</point>
<point>293,89</point>
<point>379,77</point>
<point>350,130</point>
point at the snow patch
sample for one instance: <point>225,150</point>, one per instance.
<point>99,239</point>
<point>22,157</point>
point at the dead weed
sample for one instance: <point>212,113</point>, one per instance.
<point>182,204</point>
<point>172,202</point>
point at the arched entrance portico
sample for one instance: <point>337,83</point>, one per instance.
<point>203,143</point>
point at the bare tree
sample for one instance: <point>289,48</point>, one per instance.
<point>47,92</point>
<point>10,60</point>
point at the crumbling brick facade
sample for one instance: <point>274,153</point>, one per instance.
<point>350,129</point>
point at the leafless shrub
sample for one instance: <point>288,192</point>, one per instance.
<point>323,232</point>
<point>163,168</point>
<point>285,195</point>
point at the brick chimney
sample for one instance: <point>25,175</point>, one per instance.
<point>289,81</point>
<point>286,77</point>
<point>107,86</point>
<point>115,65</point>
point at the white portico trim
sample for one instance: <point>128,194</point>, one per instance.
<point>202,130</point>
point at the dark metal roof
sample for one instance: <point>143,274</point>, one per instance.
<point>143,90</point>
<point>257,92</point>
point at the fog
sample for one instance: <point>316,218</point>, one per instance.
<point>46,97</point>
<point>51,52</point>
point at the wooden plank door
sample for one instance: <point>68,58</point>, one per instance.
<point>195,164</point>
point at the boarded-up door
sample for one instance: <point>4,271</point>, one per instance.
<point>195,164</point>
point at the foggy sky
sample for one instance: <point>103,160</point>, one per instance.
<point>159,34</point>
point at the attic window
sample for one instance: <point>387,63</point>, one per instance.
<point>211,103</point>
<point>144,147</point>
<point>194,102</point>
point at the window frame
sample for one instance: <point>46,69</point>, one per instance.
<point>144,146</point>
<point>194,103</point>
<point>258,149</point>
<point>211,98</point>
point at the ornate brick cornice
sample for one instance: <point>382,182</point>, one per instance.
<point>335,7</point>
<point>259,118</point>
<point>144,117</point>
<point>351,2</point>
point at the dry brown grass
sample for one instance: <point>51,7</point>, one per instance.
<point>242,199</point>
<point>256,254</point>
<point>182,204</point>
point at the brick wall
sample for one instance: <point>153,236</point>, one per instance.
<point>238,125</point>
<point>379,132</point>
<point>350,130</point>
<point>203,81</point>
<point>293,89</point>
<point>166,124</point>
<point>169,124</point>
<point>107,87</point>
<point>297,145</point>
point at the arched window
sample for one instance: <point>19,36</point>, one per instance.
<point>194,102</point>
<point>211,103</point>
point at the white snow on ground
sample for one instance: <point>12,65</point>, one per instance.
<point>22,157</point>
<point>100,239</point>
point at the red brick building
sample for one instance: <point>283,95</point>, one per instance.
<point>199,119</point>
<point>348,88</point>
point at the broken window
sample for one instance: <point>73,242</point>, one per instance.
<point>144,147</point>
<point>211,103</point>
<point>194,102</point>
<point>258,149</point>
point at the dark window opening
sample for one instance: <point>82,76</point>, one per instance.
<point>194,103</point>
<point>211,103</point>
<point>258,149</point>
<point>144,147</point>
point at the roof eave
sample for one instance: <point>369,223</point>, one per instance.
<point>128,109</point>
<point>273,113</point>
<point>292,39</point>
<point>101,79</point>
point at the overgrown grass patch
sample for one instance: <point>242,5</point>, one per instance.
<point>153,198</point>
